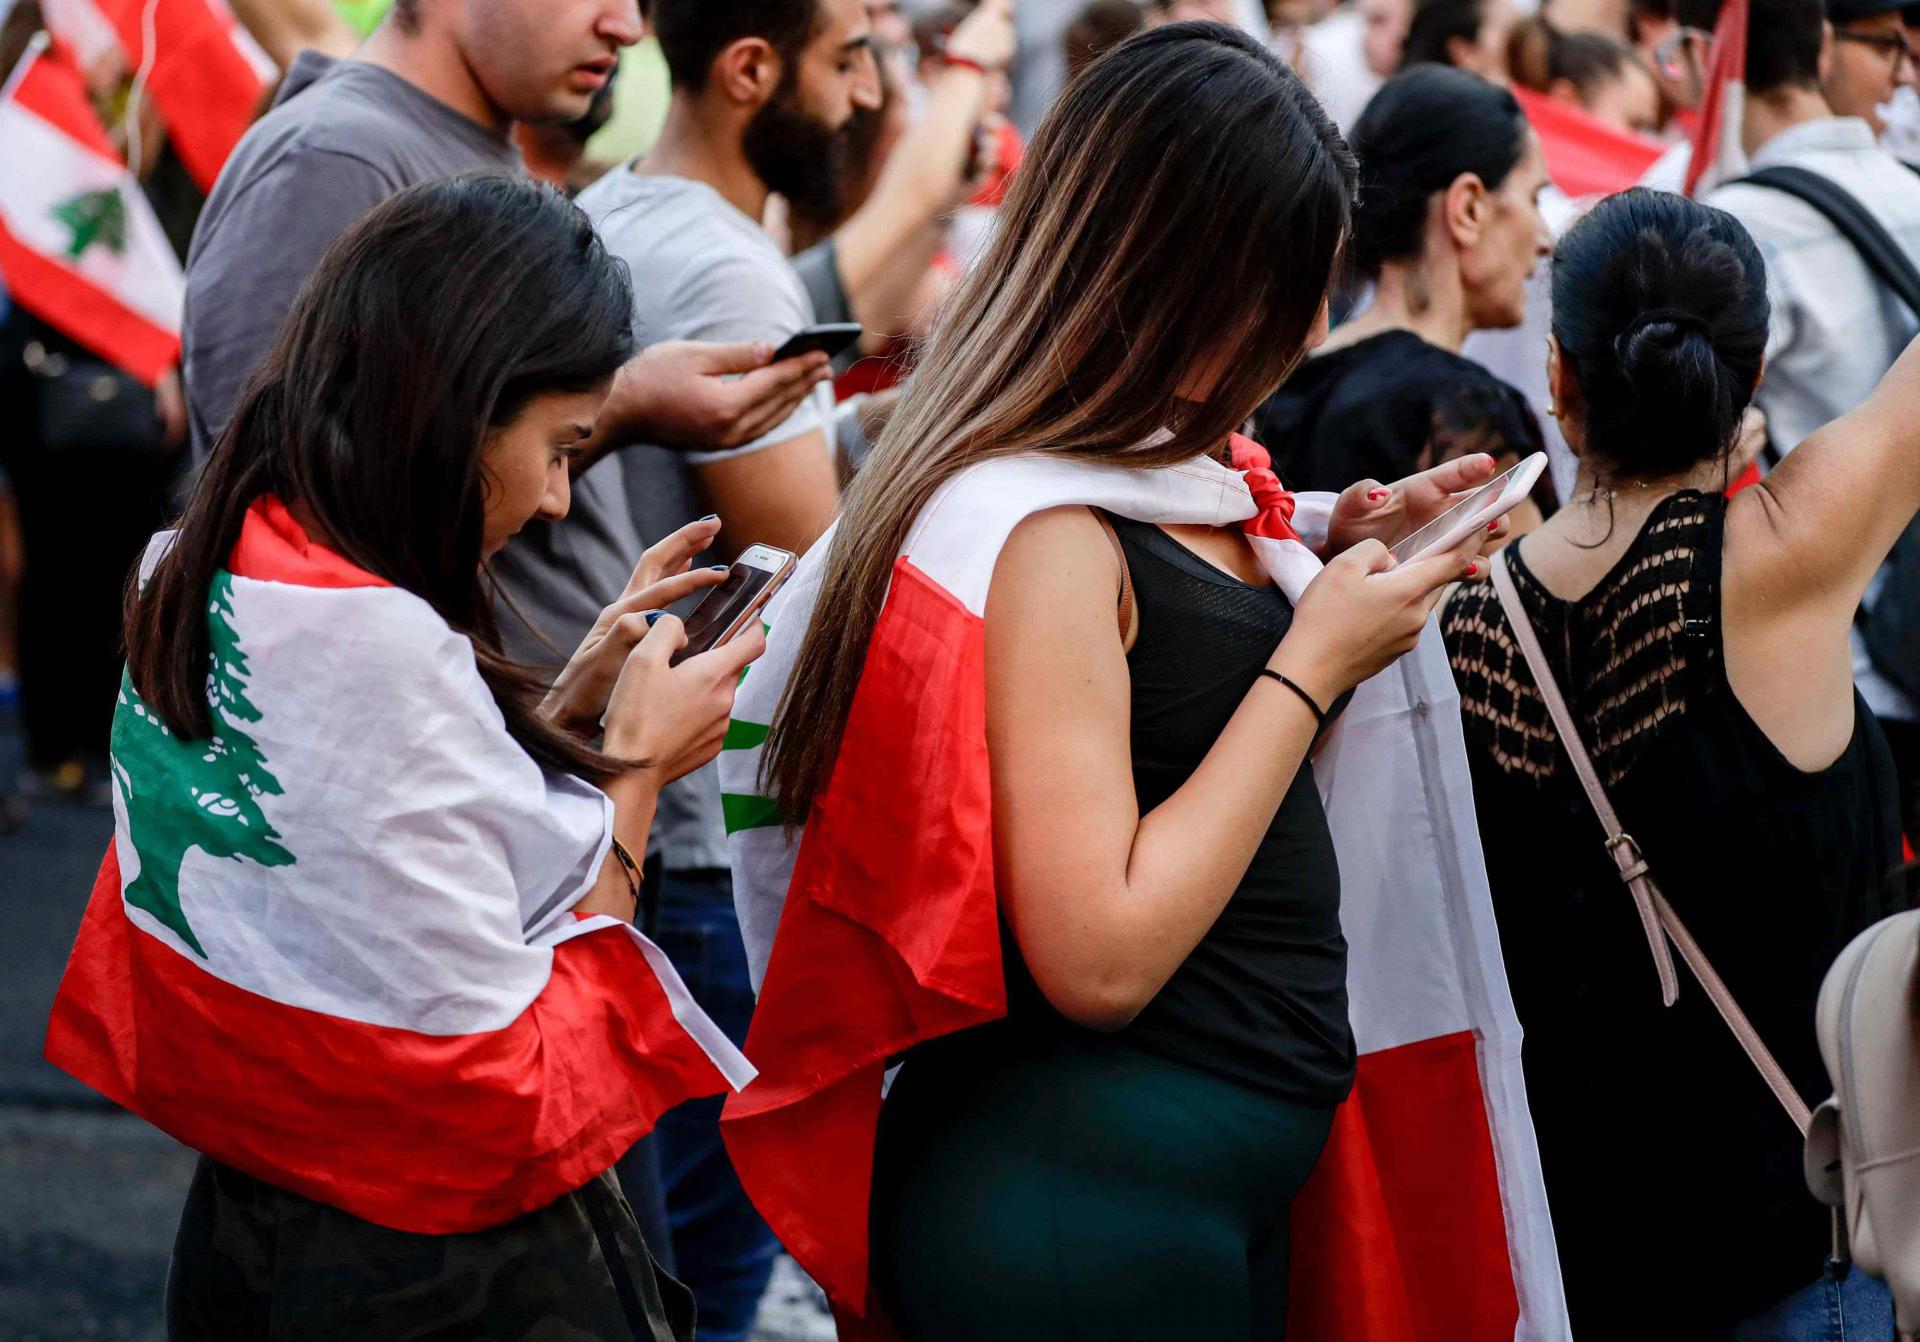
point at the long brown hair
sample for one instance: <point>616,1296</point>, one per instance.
<point>433,319</point>
<point>1185,197</point>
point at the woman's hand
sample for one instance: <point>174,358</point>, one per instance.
<point>1363,612</point>
<point>664,575</point>
<point>672,719</point>
<point>1369,510</point>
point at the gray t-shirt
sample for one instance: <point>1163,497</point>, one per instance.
<point>342,136</point>
<point>701,270</point>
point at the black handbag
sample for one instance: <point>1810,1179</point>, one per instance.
<point>86,404</point>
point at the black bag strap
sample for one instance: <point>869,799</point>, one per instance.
<point>1885,257</point>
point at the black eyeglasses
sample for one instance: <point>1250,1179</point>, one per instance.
<point>1894,45</point>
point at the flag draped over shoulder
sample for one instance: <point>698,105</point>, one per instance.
<point>79,245</point>
<point>205,72</point>
<point>877,928</point>
<point>332,944</point>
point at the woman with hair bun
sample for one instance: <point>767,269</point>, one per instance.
<point>1447,228</point>
<point>1701,645</point>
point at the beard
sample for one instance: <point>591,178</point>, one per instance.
<point>797,155</point>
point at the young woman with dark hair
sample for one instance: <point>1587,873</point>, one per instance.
<point>1447,228</point>
<point>406,1022</point>
<point>1701,644</point>
<point>1116,1158</point>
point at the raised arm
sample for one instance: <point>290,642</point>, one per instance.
<point>1815,530</point>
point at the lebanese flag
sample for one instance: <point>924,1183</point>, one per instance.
<point>1585,156</point>
<point>333,945</point>
<point>878,929</point>
<point>208,76</point>
<point>79,245</point>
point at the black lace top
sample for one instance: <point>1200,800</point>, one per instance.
<point>1651,1119</point>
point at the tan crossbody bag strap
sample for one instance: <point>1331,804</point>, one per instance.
<point>1657,917</point>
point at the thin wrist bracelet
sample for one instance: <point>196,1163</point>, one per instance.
<point>959,62</point>
<point>1319,713</point>
<point>630,867</point>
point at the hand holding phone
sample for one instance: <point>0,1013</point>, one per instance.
<point>827,337</point>
<point>1480,509</point>
<point>725,610</point>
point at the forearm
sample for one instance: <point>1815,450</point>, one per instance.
<point>1187,857</point>
<point>917,182</point>
<point>635,796</point>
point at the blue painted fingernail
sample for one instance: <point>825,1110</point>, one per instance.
<point>716,568</point>
<point>711,517</point>
<point>653,617</point>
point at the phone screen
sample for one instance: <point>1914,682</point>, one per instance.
<point>1410,546</point>
<point>722,607</point>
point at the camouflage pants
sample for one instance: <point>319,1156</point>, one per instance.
<point>252,1261</point>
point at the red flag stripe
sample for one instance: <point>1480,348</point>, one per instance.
<point>1585,156</point>
<point>1400,1228</point>
<point>426,1133</point>
<point>207,90</point>
<point>53,91</point>
<point>1726,70</point>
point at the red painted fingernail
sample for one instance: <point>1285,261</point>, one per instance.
<point>1494,525</point>
<point>1377,494</point>
<point>1473,570</point>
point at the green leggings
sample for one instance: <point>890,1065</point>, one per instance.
<point>1083,1191</point>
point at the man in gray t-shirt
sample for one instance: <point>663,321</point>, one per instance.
<point>342,137</point>
<point>431,93</point>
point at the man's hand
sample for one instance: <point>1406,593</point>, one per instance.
<point>684,392</point>
<point>1369,510</point>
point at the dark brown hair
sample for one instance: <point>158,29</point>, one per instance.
<point>1185,195</point>
<point>432,320</point>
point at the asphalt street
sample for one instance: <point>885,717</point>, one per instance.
<point>88,1194</point>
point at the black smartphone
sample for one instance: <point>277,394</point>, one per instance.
<point>828,337</point>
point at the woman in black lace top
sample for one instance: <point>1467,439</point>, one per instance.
<point>1447,229</point>
<point>1701,645</point>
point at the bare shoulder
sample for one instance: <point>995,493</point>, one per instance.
<point>1057,554</point>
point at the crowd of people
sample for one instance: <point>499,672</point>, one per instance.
<point>435,921</point>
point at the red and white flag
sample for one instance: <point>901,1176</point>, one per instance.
<point>876,928</point>
<point>202,68</point>
<point>332,944</point>
<point>79,245</point>
<point>1585,156</point>
<point>1718,155</point>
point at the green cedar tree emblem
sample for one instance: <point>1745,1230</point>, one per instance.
<point>94,216</point>
<point>194,794</point>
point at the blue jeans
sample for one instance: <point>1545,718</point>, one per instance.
<point>1837,1308</point>
<point>721,1247</point>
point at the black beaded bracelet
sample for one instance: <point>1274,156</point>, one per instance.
<point>1319,713</point>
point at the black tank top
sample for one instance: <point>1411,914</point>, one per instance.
<point>1647,1116</point>
<point>1262,1000</point>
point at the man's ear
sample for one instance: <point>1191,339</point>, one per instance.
<point>1462,53</point>
<point>746,72</point>
<point>1824,67</point>
<point>1464,209</point>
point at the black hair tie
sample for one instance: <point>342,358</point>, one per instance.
<point>1684,321</point>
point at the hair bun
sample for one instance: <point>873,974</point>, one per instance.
<point>1655,349</point>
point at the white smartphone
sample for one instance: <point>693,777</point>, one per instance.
<point>1478,510</point>
<point>750,583</point>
